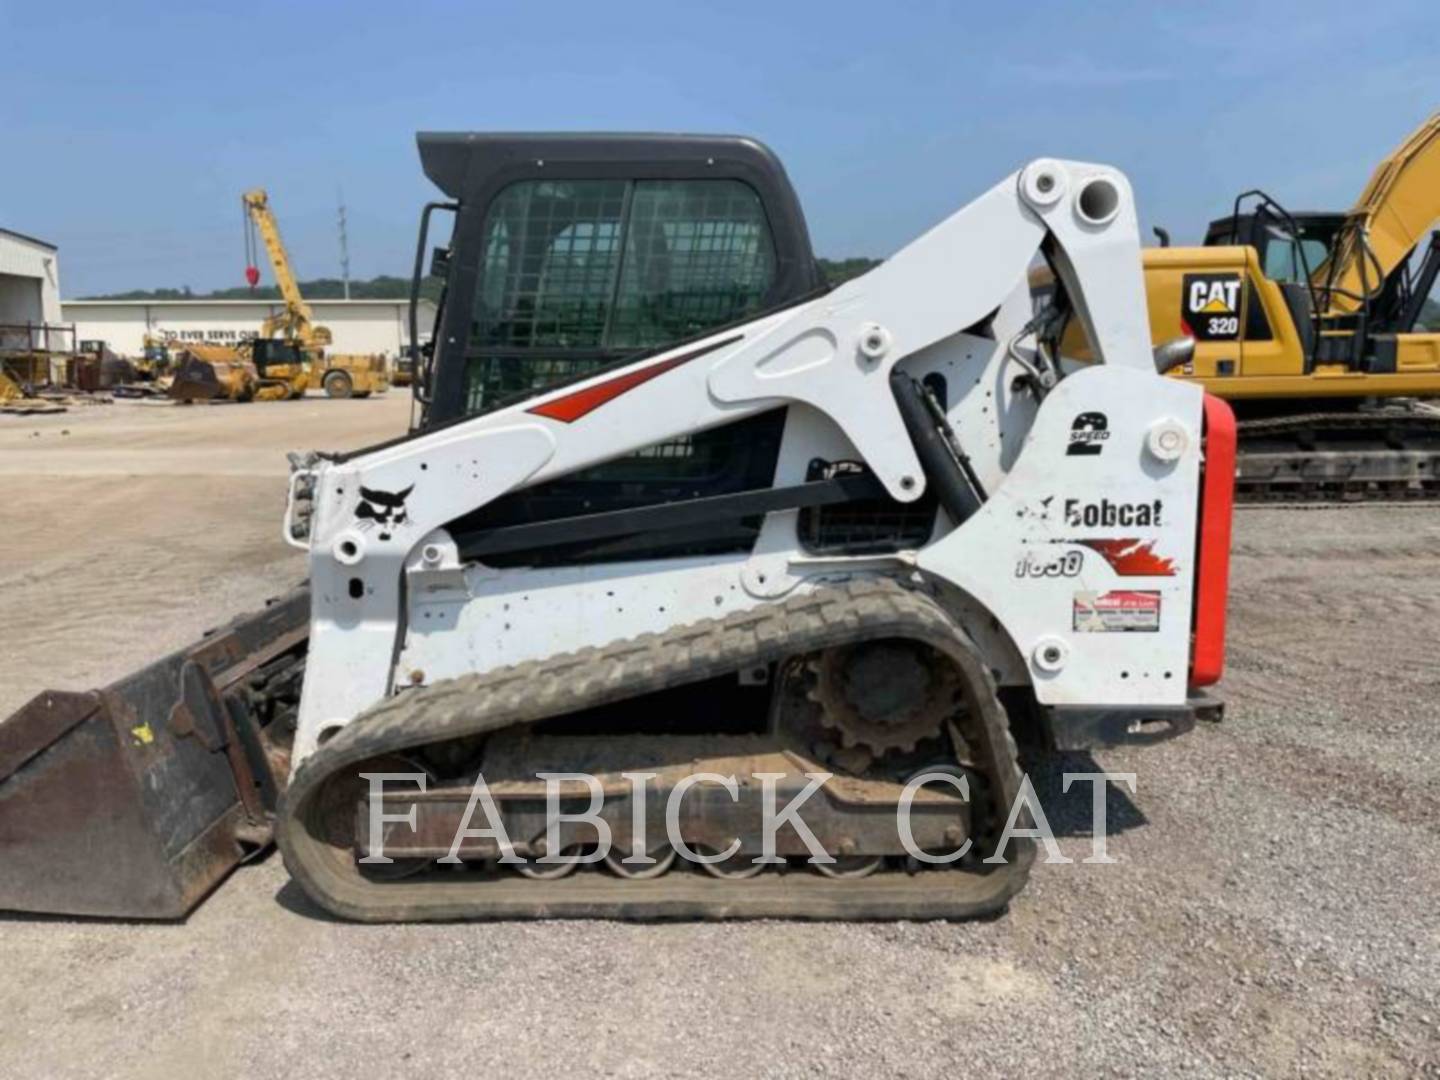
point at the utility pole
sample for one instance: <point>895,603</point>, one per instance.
<point>344,244</point>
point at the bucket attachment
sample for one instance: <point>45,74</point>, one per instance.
<point>195,380</point>
<point>136,800</point>
<point>207,373</point>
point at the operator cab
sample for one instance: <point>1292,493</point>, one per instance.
<point>1284,257</point>
<point>272,353</point>
<point>1294,251</point>
<point>573,253</point>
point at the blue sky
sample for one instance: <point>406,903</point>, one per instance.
<point>127,132</point>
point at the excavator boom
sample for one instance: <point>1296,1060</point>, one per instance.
<point>1397,208</point>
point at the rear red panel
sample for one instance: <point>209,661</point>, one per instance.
<point>1212,562</point>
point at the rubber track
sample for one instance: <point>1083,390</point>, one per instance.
<point>1389,426</point>
<point>826,617</point>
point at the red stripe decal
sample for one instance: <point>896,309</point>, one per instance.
<point>1132,557</point>
<point>572,407</point>
<point>1212,564</point>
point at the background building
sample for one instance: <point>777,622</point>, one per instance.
<point>358,326</point>
<point>30,314</point>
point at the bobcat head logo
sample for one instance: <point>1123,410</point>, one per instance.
<point>385,508</point>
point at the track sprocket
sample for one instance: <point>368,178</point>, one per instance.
<point>884,695</point>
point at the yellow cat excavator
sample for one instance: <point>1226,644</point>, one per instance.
<point>1313,326</point>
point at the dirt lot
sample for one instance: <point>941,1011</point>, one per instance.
<point>1276,907</point>
<point>134,527</point>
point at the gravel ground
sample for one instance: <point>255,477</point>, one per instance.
<point>1273,911</point>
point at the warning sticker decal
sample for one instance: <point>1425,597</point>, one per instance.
<point>1120,611</point>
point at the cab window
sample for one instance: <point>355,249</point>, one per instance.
<point>585,272</point>
<point>551,253</point>
<point>1284,264</point>
<point>697,254</point>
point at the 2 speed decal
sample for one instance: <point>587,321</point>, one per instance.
<point>1088,433</point>
<point>1210,306</point>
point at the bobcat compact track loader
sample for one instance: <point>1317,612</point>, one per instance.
<point>681,537</point>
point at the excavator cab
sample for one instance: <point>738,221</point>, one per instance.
<point>1290,247</point>
<point>1285,264</point>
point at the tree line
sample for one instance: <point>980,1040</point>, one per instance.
<point>389,287</point>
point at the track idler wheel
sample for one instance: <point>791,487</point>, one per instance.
<point>664,857</point>
<point>737,867</point>
<point>850,867</point>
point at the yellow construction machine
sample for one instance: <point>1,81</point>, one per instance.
<point>298,354</point>
<point>288,356</point>
<point>205,372</point>
<point>1319,327</point>
<point>1321,331</point>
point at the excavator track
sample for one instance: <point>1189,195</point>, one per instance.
<point>1380,455</point>
<point>318,824</point>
